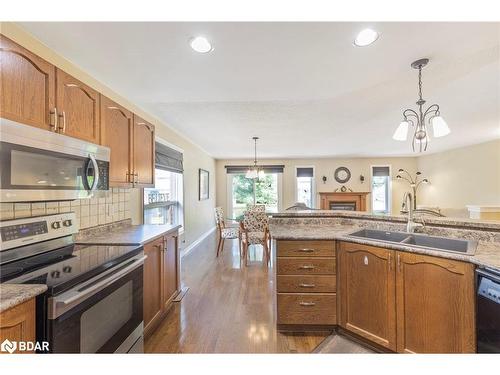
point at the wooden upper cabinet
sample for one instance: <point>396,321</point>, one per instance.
<point>152,282</point>
<point>435,305</point>
<point>117,133</point>
<point>144,152</point>
<point>78,108</point>
<point>170,269</point>
<point>27,84</point>
<point>367,292</point>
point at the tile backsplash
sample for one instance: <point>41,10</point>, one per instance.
<point>104,208</point>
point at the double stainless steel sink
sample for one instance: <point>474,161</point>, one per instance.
<point>466,247</point>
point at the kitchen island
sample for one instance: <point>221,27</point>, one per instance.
<point>395,296</point>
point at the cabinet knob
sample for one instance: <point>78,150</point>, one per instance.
<point>302,303</point>
<point>365,260</point>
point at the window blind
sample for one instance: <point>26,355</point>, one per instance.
<point>242,169</point>
<point>305,172</point>
<point>168,159</point>
<point>380,171</point>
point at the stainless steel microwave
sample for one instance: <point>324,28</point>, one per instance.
<point>39,165</point>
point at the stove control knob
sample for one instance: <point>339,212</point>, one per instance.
<point>67,223</point>
<point>67,269</point>
<point>56,225</point>
<point>55,274</point>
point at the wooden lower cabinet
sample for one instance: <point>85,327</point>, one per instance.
<point>161,279</point>
<point>435,305</point>
<point>367,289</point>
<point>18,323</point>
<point>306,284</point>
<point>406,302</point>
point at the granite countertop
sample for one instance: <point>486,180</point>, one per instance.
<point>487,253</point>
<point>127,235</point>
<point>429,220</point>
<point>14,294</point>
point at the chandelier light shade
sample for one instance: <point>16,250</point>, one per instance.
<point>421,118</point>
<point>254,171</point>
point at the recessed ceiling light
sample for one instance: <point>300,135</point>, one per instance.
<point>365,37</point>
<point>201,44</point>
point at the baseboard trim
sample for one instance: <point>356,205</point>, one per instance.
<point>195,243</point>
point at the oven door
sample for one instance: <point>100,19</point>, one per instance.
<point>102,315</point>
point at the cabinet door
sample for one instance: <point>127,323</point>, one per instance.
<point>367,292</point>
<point>144,152</point>
<point>152,282</point>
<point>78,108</point>
<point>18,323</point>
<point>116,128</point>
<point>435,305</point>
<point>170,269</point>
<point>27,86</point>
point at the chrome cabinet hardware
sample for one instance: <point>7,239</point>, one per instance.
<point>365,260</point>
<point>302,303</point>
<point>306,250</point>
<point>53,119</point>
<point>304,285</point>
<point>306,267</point>
<point>399,263</point>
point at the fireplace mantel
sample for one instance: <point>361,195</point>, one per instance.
<point>356,201</point>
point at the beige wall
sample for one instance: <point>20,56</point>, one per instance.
<point>198,214</point>
<point>463,176</point>
<point>325,167</point>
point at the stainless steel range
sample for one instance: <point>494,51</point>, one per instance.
<point>94,301</point>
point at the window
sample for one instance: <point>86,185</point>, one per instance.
<point>163,204</point>
<point>305,186</point>
<point>381,189</point>
<point>243,191</point>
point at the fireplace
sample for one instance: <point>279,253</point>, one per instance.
<point>348,201</point>
<point>343,206</point>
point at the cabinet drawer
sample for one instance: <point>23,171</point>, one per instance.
<point>306,248</point>
<point>306,284</point>
<point>305,266</point>
<point>316,309</point>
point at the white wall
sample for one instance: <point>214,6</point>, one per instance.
<point>198,214</point>
<point>467,175</point>
<point>325,167</point>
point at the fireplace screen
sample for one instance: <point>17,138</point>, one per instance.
<point>343,206</point>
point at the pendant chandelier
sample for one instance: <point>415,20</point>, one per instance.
<point>255,172</point>
<point>421,118</point>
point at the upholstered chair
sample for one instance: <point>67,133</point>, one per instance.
<point>225,232</point>
<point>255,231</point>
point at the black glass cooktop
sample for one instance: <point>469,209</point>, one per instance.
<point>65,267</point>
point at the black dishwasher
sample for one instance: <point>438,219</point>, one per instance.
<point>488,310</point>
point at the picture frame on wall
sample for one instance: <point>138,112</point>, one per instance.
<point>203,184</point>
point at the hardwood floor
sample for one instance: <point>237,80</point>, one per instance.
<point>229,308</point>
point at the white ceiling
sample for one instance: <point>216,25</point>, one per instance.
<point>303,88</point>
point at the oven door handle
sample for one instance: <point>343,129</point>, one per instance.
<point>104,283</point>
<point>96,172</point>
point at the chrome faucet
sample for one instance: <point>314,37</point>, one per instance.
<point>411,224</point>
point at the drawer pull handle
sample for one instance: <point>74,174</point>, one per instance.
<point>306,267</point>
<point>302,303</point>
<point>304,285</point>
<point>306,250</point>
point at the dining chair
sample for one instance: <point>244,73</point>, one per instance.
<point>225,232</point>
<point>256,207</point>
<point>254,230</point>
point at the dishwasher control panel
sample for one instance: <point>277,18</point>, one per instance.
<point>489,289</point>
